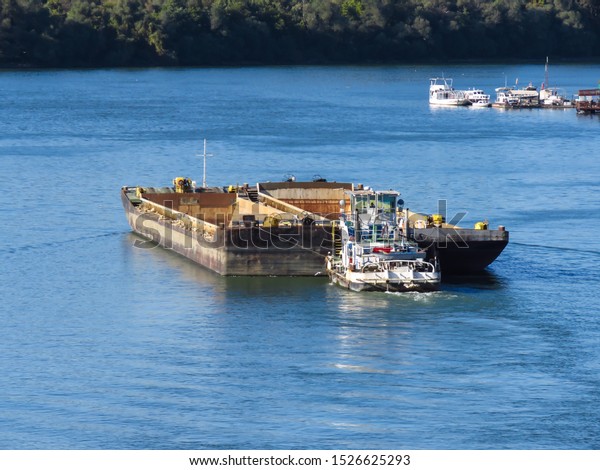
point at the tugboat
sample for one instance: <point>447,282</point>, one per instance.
<point>375,254</point>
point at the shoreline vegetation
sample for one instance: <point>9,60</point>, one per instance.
<point>143,33</point>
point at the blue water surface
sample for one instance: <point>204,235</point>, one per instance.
<point>104,345</point>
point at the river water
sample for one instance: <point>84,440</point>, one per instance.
<point>104,345</point>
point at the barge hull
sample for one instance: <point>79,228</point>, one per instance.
<point>462,251</point>
<point>238,250</point>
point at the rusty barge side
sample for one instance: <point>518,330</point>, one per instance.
<point>231,234</point>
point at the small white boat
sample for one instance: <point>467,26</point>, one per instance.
<point>478,98</point>
<point>482,103</point>
<point>505,98</point>
<point>374,254</point>
<point>442,93</point>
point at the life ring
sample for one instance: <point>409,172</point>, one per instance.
<point>181,182</point>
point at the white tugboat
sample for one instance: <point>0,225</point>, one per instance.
<point>375,255</point>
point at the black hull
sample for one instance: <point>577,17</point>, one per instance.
<point>462,251</point>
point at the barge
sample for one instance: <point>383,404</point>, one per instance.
<point>282,229</point>
<point>588,101</point>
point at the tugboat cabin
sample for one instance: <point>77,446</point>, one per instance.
<point>374,213</point>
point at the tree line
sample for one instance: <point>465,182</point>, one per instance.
<point>80,33</point>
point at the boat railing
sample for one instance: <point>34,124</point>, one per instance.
<point>389,265</point>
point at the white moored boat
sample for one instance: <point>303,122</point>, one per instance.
<point>374,253</point>
<point>513,97</point>
<point>442,93</point>
<point>552,97</point>
<point>555,98</point>
<point>478,98</point>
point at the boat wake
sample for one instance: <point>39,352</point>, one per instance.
<point>59,243</point>
<point>559,248</point>
<point>424,296</point>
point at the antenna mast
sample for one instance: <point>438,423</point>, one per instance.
<point>204,168</point>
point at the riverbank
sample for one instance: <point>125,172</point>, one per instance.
<point>166,33</point>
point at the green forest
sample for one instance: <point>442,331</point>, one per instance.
<point>119,33</point>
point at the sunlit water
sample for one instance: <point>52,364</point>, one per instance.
<point>106,346</point>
